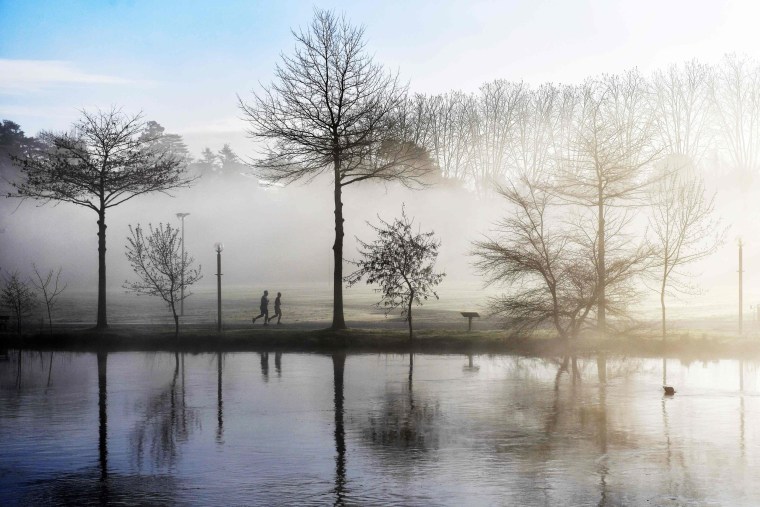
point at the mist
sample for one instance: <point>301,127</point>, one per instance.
<point>271,234</point>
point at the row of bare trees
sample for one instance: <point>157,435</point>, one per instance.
<point>583,164</point>
<point>707,113</point>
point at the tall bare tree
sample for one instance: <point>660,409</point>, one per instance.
<point>332,110</point>
<point>611,148</point>
<point>106,160</point>
<point>684,229</point>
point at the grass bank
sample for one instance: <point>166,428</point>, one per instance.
<point>367,339</point>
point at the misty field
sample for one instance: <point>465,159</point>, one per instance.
<point>309,306</point>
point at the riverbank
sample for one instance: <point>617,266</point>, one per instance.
<point>314,338</point>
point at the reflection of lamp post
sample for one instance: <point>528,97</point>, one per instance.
<point>219,247</point>
<point>182,216</point>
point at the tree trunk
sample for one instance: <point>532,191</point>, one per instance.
<point>662,307</point>
<point>601,274</point>
<point>338,320</point>
<point>409,315</point>
<point>102,321</point>
<point>50,318</point>
<point>176,321</point>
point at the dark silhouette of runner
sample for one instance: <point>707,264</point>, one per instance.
<point>277,311</point>
<point>264,309</point>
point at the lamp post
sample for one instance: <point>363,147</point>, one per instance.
<point>182,216</point>
<point>741,291</point>
<point>219,247</point>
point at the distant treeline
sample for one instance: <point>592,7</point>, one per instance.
<point>709,114</point>
<point>223,163</point>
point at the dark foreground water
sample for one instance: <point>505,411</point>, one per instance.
<point>300,429</point>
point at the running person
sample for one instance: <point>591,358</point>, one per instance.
<point>264,308</point>
<point>277,311</point>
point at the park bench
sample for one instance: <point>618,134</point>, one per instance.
<point>469,316</point>
<point>4,319</point>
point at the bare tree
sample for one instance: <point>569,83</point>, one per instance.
<point>450,134</point>
<point>537,133</point>
<point>50,289</point>
<point>684,230</point>
<point>531,250</point>
<point>611,148</point>
<point>106,160</point>
<point>684,110</point>
<point>18,297</point>
<point>333,110</point>
<point>550,263</point>
<point>401,262</point>
<point>735,93</point>
<point>160,266</point>
<point>498,107</point>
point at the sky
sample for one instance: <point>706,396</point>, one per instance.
<point>184,63</point>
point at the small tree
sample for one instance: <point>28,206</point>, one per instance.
<point>50,290</point>
<point>18,297</point>
<point>159,265</point>
<point>684,230</point>
<point>401,262</point>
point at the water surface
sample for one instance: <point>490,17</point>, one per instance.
<point>306,429</point>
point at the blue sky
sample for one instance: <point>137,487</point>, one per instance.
<point>183,62</point>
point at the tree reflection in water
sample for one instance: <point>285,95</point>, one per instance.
<point>339,364</point>
<point>403,421</point>
<point>103,414</point>
<point>166,423</point>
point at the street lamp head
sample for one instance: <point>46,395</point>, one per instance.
<point>218,247</point>
<point>182,215</point>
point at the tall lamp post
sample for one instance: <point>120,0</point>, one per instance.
<point>182,216</point>
<point>741,291</point>
<point>219,247</point>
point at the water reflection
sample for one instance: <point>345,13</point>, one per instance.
<point>405,430</point>
<point>219,401</point>
<point>404,421</point>
<point>741,409</point>
<point>471,366</point>
<point>103,414</point>
<point>339,365</point>
<point>166,422</point>
<point>264,359</point>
